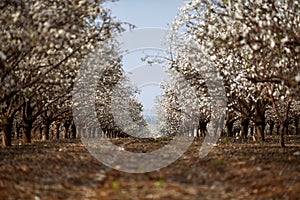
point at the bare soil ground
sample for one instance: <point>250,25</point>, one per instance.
<point>234,169</point>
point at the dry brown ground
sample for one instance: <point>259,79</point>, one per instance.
<point>233,170</point>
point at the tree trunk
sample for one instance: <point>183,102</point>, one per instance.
<point>277,129</point>
<point>281,130</point>
<point>260,130</point>
<point>296,123</point>
<point>260,119</point>
<point>286,128</point>
<point>26,133</point>
<point>230,129</point>
<point>45,131</point>
<point>73,131</point>
<point>245,127</point>
<point>6,125</point>
<point>272,124</point>
<point>203,128</point>
<point>66,126</point>
<point>229,123</point>
<point>55,131</point>
<point>251,130</point>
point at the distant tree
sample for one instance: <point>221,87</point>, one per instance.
<point>104,86</point>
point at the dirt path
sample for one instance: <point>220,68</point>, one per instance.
<point>233,170</point>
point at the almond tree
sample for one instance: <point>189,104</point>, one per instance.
<point>169,114</point>
<point>200,26</point>
<point>255,45</point>
<point>185,103</point>
<point>102,84</point>
<point>268,34</point>
<point>42,45</point>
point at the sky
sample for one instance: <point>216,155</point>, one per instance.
<point>145,14</point>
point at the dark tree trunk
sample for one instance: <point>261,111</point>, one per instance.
<point>107,133</point>
<point>296,123</point>
<point>113,133</point>
<point>260,119</point>
<point>229,123</point>
<point>245,127</point>
<point>6,125</point>
<point>277,129</point>
<point>271,124</point>
<point>66,126</point>
<point>281,130</point>
<point>73,131</point>
<point>203,128</point>
<point>223,133</point>
<point>230,129</point>
<point>26,132</point>
<point>252,130</point>
<point>286,128</point>
<point>28,119</point>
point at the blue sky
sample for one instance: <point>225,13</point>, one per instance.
<point>145,14</point>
